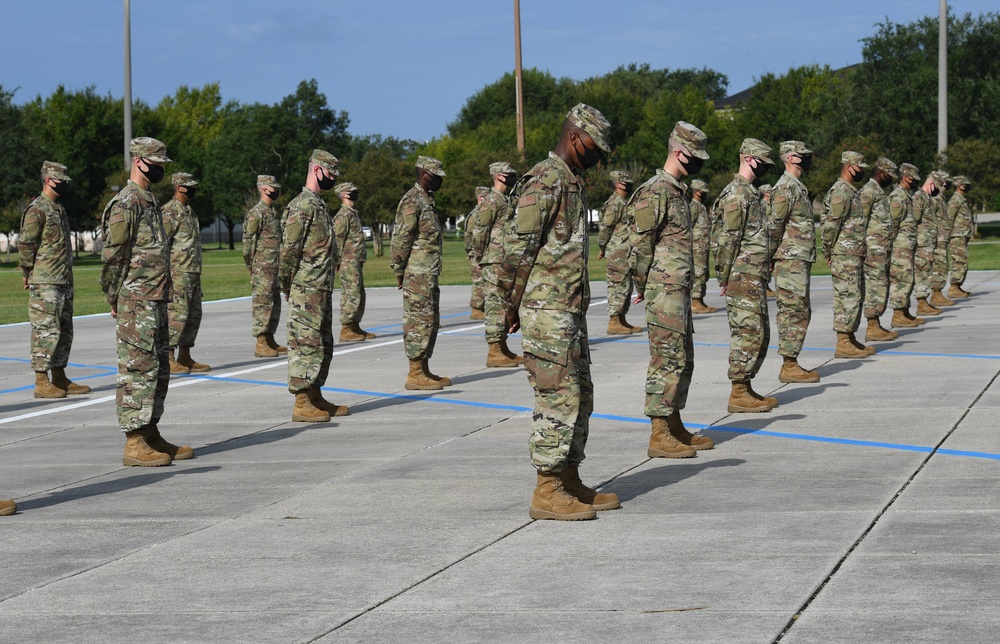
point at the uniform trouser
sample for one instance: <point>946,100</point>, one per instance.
<point>700,280</point>
<point>265,300</point>
<point>143,362</point>
<point>619,282</point>
<point>184,310</point>
<point>310,337</point>
<point>900,277</point>
<point>557,360</point>
<point>848,292</point>
<point>496,321</point>
<point>476,300</point>
<point>939,274</point>
<point>421,314</point>
<point>352,292</point>
<point>923,266</point>
<point>876,271</point>
<point>791,278</point>
<point>50,311</point>
<point>671,349</point>
<point>749,328</point>
<point>959,249</point>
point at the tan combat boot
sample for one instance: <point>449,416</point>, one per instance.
<point>159,444</point>
<point>44,388</point>
<point>176,367</point>
<point>913,318</point>
<point>698,306</point>
<point>770,292</point>
<point>305,412</point>
<point>139,453</point>
<point>477,314</point>
<point>444,380</point>
<point>677,429</point>
<point>497,358</point>
<point>770,400</point>
<point>551,501</point>
<point>347,334</point>
<point>938,299</point>
<point>319,402</point>
<point>924,307</point>
<point>418,379</point>
<point>792,372</point>
<point>955,292</point>
<point>184,358</point>
<point>60,380</point>
<point>510,354</point>
<point>356,327</point>
<point>7,507</point>
<point>869,350</point>
<point>271,342</point>
<point>618,326</point>
<point>901,321</point>
<point>262,350</point>
<point>846,348</point>
<point>741,400</point>
<point>601,501</point>
<point>663,445</point>
<point>875,332</point>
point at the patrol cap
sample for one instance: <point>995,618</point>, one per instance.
<point>886,166</point>
<point>699,186</point>
<point>591,121</point>
<point>797,148</point>
<point>946,178</point>
<point>850,157</point>
<point>431,165</point>
<point>937,177</point>
<point>758,149</point>
<point>341,188</point>
<point>482,191</point>
<point>55,170</point>
<point>183,179</point>
<point>149,148</point>
<point>620,176</point>
<point>502,167</point>
<point>327,161</point>
<point>691,138</point>
<point>267,180</point>
<point>910,170</point>
<point>961,180</point>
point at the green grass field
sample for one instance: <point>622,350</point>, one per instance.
<point>225,276</point>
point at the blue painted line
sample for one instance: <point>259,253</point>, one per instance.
<point>107,371</point>
<point>400,325</point>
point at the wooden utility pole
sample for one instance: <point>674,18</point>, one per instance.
<point>127,99</point>
<point>519,87</point>
<point>943,78</point>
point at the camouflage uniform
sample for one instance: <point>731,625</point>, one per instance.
<point>661,240</point>
<point>904,241</point>
<point>793,236</point>
<point>489,221</point>
<point>305,274</point>
<point>878,247</point>
<point>478,298</point>
<point>183,241</point>
<point>742,267</point>
<point>927,236</point>
<point>701,226</point>
<point>415,255</point>
<point>46,259</point>
<point>136,279</point>
<point>261,247</point>
<point>960,215</point>
<point>353,253</point>
<point>613,241</point>
<point>843,226</point>
<point>939,274</point>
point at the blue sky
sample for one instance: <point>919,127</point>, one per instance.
<point>404,68</point>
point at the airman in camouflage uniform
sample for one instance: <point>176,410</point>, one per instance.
<point>261,246</point>
<point>488,221</point>
<point>612,239</point>
<point>305,274</point>
<point>136,281</point>
<point>46,259</point>
<point>477,301</point>
<point>742,266</point>
<point>844,226</point>
<point>353,252</point>
<point>960,214</point>
<point>793,241</point>
<point>543,284</point>
<point>924,212</point>
<point>415,257</point>
<point>661,238</point>
<point>939,272</point>
<point>904,241</point>
<point>878,248</point>
<point>701,240</point>
<point>183,235</point>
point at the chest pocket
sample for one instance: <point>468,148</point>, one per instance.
<point>149,231</point>
<point>53,227</point>
<point>755,217</point>
<point>679,215</point>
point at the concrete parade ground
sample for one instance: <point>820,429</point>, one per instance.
<point>863,509</point>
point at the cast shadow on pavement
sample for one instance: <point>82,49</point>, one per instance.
<point>639,482</point>
<point>801,392</point>
<point>259,438</point>
<point>742,424</point>
<point>489,374</point>
<point>145,476</point>
<point>401,398</point>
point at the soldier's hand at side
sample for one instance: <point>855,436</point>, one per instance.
<point>828,261</point>
<point>399,282</point>
<point>600,255</point>
<point>513,321</point>
<point>722,291</point>
<point>25,282</point>
<point>114,311</point>
<point>638,298</point>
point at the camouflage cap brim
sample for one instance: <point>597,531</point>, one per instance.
<point>56,171</point>
<point>591,121</point>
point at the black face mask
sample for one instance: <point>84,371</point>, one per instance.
<point>507,179</point>
<point>935,190</point>
<point>272,195</point>
<point>435,183</point>
<point>61,188</point>
<point>153,172</point>
<point>857,176</point>
<point>884,181</point>
<point>325,182</point>
<point>190,192</point>
<point>590,156</point>
<point>353,196</point>
<point>760,169</point>
<point>805,163</point>
<point>692,164</point>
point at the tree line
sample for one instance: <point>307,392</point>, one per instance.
<point>885,105</point>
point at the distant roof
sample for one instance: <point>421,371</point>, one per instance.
<point>741,97</point>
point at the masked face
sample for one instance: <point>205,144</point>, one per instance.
<point>935,191</point>
<point>60,187</point>
<point>154,173</point>
<point>760,169</point>
<point>883,179</point>
<point>588,157</point>
<point>692,164</point>
<point>271,194</point>
<point>325,180</point>
<point>435,182</point>
<point>190,192</point>
<point>805,162</point>
<point>857,173</point>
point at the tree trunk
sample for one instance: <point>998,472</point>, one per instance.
<point>377,244</point>
<point>230,225</point>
